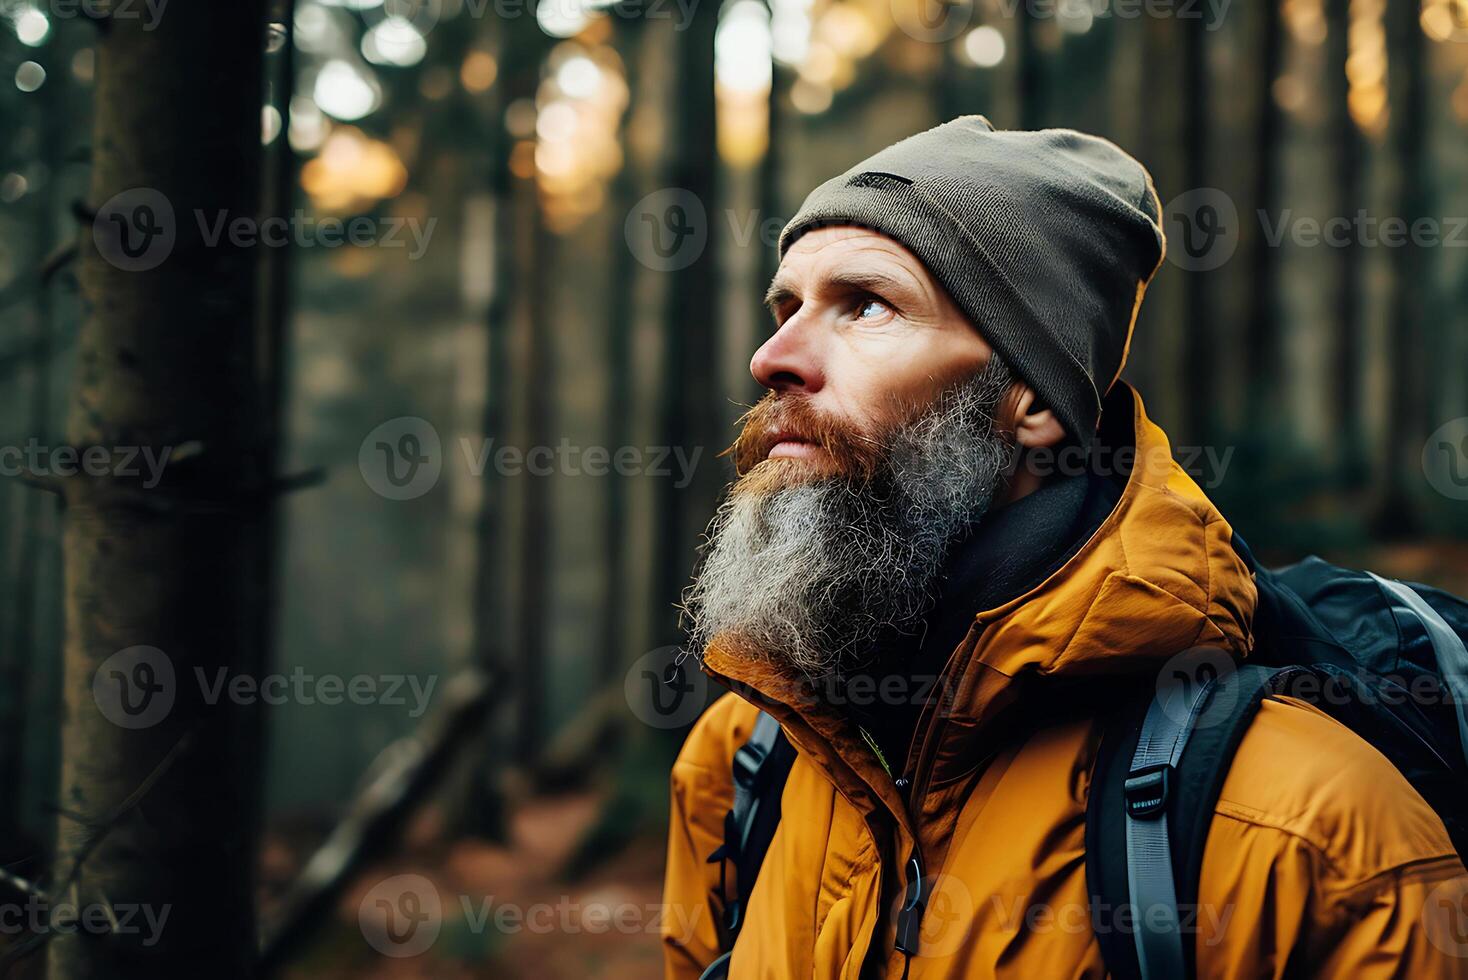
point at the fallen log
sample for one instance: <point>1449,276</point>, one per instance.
<point>398,782</point>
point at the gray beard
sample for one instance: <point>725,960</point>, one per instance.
<point>816,574</point>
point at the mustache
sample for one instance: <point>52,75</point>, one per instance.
<point>776,418</point>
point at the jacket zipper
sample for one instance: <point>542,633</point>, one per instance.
<point>915,897</point>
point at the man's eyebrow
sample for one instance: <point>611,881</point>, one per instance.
<point>779,292</point>
<point>870,281</point>
<point>851,280</point>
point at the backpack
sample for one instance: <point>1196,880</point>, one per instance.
<point>1385,658</point>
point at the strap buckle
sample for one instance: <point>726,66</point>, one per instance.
<point>747,762</point>
<point>1147,790</point>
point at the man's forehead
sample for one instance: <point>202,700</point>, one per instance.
<point>821,252</point>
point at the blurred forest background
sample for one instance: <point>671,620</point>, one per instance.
<point>541,153</point>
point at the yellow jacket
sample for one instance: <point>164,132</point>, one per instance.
<point>1321,860</point>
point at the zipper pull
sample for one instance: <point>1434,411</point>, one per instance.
<point>910,919</point>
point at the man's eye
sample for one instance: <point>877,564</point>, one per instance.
<point>869,308</point>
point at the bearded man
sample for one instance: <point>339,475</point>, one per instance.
<point>938,614</point>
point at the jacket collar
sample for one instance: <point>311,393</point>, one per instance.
<point>1011,550</point>
<point>1157,577</point>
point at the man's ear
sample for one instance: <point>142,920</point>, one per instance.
<point>1034,426</point>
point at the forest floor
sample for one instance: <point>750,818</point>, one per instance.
<point>503,911</point>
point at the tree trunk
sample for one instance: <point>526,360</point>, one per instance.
<point>771,197</point>
<point>534,546</point>
<point>279,183</point>
<point>1031,90</point>
<point>476,799</point>
<point>32,518</point>
<point>279,190</point>
<point>1200,365</point>
<point>162,579</point>
<point>1263,344</point>
<point>1407,374</point>
<point>691,413</point>
<point>1349,380</point>
<point>689,417</point>
<point>627,40</point>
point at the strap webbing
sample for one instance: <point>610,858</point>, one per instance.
<point>760,767</point>
<point>1165,731</point>
<point>747,764</point>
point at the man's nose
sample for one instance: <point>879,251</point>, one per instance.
<point>791,359</point>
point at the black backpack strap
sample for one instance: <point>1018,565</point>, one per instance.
<point>1106,865</point>
<point>760,768</point>
<point>1158,774</point>
<point>1151,881</point>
